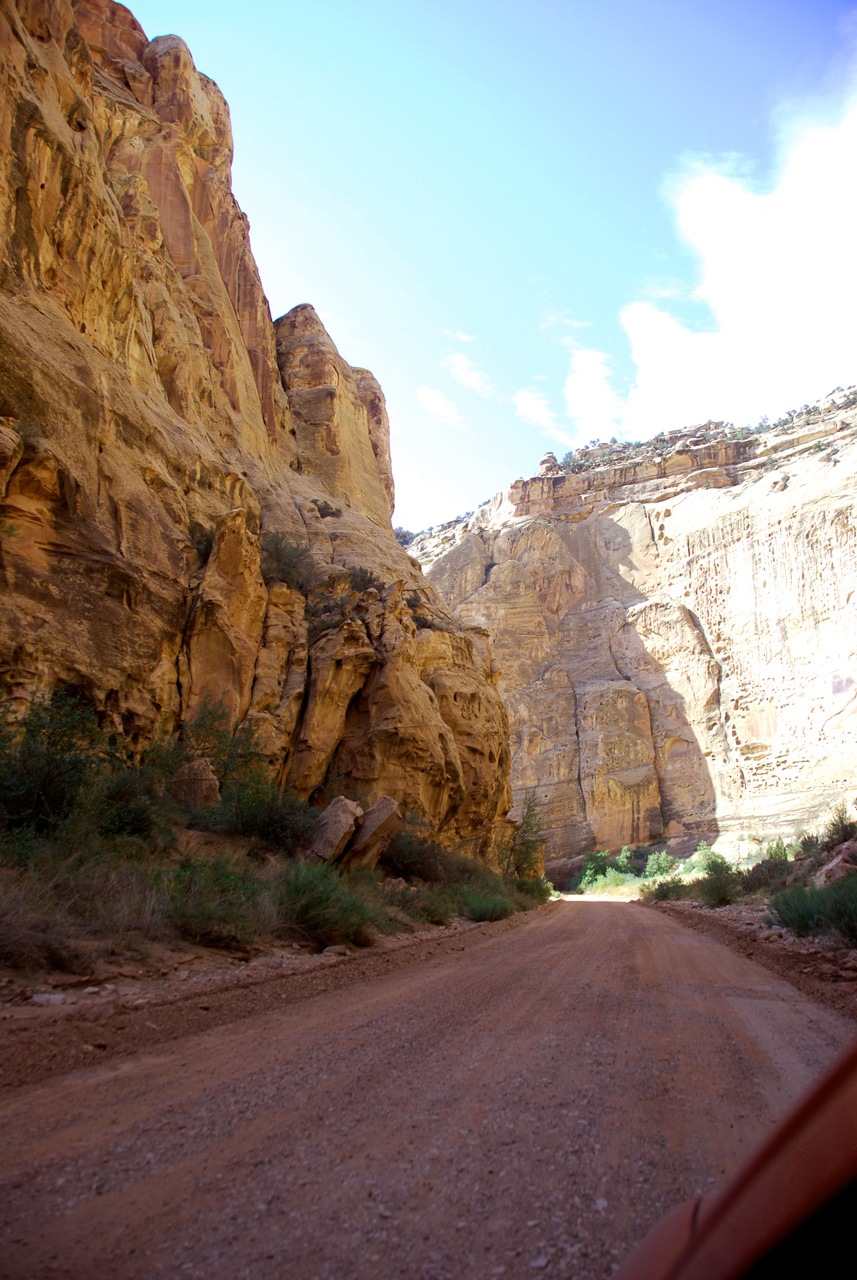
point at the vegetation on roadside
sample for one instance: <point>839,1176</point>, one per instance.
<point>94,851</point>
<point>777,872</point>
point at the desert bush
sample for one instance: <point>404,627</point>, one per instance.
<point>797,907</point>
<point>47,760</point>
<point>481,906</point>
<point>202,539</point>
<point>765,874</point>
<point>539,888</point>
<point>415,857</point>
<point>129,802</point>
<point>288,560</point>
<point>838,904</point>
<point>253,805</point>
<point>838,829</point>
<point>809,843</point>
<point>313,903</point>
<point>364,579</point>
<point>520,856</point>
<point>32,936</point>
<point>611,880</point>
<point>326,510</point>
<point>214,900</point>
<point>403,536</point>
<point>664,888</point>
<point>625,862</point>
<point>596,865</point>
<point>720,884</point>
<point>659,864</point>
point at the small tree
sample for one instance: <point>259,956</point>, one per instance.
<point>520,857</point>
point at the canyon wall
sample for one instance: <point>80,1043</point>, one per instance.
<point>159,436</point>
<point>676,630</point>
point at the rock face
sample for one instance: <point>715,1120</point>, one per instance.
<point>157,430</point>
<point>677,632</point>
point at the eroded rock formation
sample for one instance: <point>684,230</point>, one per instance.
<point>150,409</point>
<point>676,632</point>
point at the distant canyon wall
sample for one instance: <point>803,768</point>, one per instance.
<point>676,632</point>
<point>155,425</point>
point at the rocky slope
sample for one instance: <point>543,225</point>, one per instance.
<point>676,629</point>
<point>150,409</point>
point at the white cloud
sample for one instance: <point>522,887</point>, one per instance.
<point>778,275</point>
<point>458,335</point>
<point>533,407</point>
<point>592,404</point>
<point>778,272</point>
<point>465,372</point>
<point>440,406</point>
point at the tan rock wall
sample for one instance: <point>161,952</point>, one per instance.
<point>676,637</point>
<point>149,405</point>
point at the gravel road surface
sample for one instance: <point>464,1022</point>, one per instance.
<point>515,1102</point>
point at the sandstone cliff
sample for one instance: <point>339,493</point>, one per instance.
<point>150,409</point>
<point>676,632</point>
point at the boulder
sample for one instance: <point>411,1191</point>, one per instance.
<point>377,828</point>
<point>332,829</point>
<point>840,867</point>
<point>195,784</point>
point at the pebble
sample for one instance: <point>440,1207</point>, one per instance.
<point>47,997</point>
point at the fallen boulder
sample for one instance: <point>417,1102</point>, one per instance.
<point>332,829</point>
<point>378,826</point>
<point>195,783</point>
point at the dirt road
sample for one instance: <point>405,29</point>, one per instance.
<point>527,1104</point>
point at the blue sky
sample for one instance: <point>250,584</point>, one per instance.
<point>543,223</point>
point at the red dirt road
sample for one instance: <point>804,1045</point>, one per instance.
<point>526,1104</point>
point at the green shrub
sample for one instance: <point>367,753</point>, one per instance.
<point>720,884</point>
<point>659,864</point>
<point>838,829</point>
<point>365,580</point>
<point>48,761</point>
<point>253,805</point>
<point>624,861</point>
<point>611,879</point>
<point>327,510</point>
<point>838,904</point>
<point>538,888</point>
<point>521,855</point>
<point>477,905</point>
<point>701,855</point>
<point>768,872</point>
<point>596,865</point>
<point>129,802</point>
<point>214,900</point>
<point>664,889</point>
<point>313,903</point>
<point>288,560</point>
<point>797,907</point>
<point>415,857</point>
<point>425,903</point>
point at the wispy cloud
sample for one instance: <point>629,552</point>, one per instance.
<point>532,407</point>
<point>552,318</point>
<point>458,335</point>
<point>465,372</point>
<point>440,406</point>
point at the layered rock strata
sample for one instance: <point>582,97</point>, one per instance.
<point>155,425</point>
<point>677,634</point>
